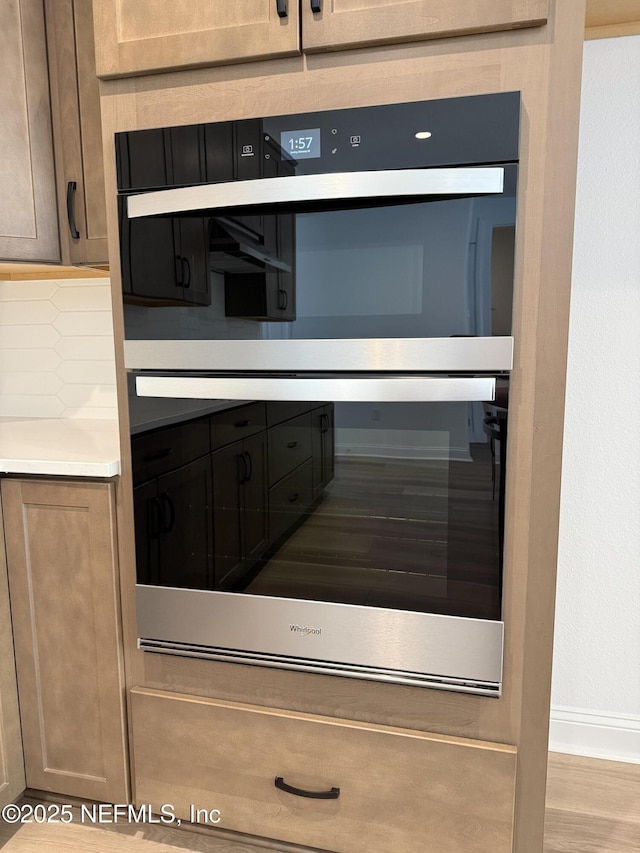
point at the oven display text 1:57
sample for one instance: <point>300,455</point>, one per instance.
<point>301,143</point>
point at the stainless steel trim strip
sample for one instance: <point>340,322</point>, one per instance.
<point>479,688</point>
<point>392,183</point>
<point>319,633</point>
<point>379,389</point>
<point>490,354</point>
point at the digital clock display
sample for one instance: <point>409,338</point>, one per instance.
<point>300,143</point>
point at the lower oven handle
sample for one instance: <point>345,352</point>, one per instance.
<point>375,389</point>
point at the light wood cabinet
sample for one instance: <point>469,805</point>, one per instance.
<point>350,23</point>
<point>28,215</point>
<point>60,544</point>
<point>393,789</point>
<point>12,782</point>
<point>75,100</point>
<point>143,36</point>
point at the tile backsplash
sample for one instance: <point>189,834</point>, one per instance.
<point>56,349</point>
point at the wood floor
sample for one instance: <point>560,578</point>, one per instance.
<point>593,806</point>
<point>407,534</point>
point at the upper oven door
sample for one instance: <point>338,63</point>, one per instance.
<point>263,242</point>
<point>331,272</point>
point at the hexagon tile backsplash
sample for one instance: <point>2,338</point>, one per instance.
<point>56,349</point>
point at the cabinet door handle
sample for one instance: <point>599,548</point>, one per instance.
<point>283,299</point>
<point>281,8</point>
<point>250,466</point>
<point>170,514</point>
<point>316,6</point>
<point>292,444</point>
<point>186,279</point>
<point>244,476</point>
<point>240,424</point>
<point>292,499</point>
<point>324,422</point>
<point>179,271</point>
<point>161,454</point>
<point>71,190</point>
<point>331,794</point>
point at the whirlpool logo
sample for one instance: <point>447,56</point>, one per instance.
<point>305,630</point>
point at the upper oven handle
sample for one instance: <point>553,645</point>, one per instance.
<point>376,389</point>
<point>395,183</point>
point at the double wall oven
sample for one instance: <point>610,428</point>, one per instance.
<point>318,309</point>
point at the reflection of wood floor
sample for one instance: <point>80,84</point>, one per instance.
<point>396,533</point>
<point>592,807</point>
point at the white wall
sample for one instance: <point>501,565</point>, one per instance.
<point>596,677</point>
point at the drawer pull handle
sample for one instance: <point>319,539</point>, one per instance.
<point>161,454</point>
<point>281,8</point>
<point>239,424</point>
<point>316,6</point>
<point>292,444</point>
<point>71,219</point>
<point>292,499</point>
<point>331,794</point>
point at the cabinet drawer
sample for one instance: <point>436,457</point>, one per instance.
<point>289,446</point>
<point>278,412</point>
<point>235,424</point>
<point>155,453</point>
<point>400,790</point>
<point>289,499</point>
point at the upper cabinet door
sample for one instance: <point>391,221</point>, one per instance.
<point>145,36</point>
<point>77,131</point>
<point>28,216</point>
<point>348,23</point>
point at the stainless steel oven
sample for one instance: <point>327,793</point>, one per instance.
<point>318,334</point>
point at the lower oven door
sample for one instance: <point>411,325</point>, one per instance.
<point>354,525</point>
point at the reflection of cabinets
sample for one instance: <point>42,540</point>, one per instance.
<point>75,101</point>
<point>239,462</point>
<point>212,494</point>
<point>167,261</point>
<point>28,217</point>
<point>136,38</point>
<point>60,545</point>
<point>164,261</point>
<point>172,498</point>
<point>269,295</point>
<point>239,507</point>
<point>323,443</point>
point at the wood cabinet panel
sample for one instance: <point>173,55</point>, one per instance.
<point>28,216</point>
<point>445,794</point>
<point>348,23</point>
<point>60,542</point>
<point>142,36</point>
<point>77,130</point>
<point>12,782</point>
<point>607,18</point>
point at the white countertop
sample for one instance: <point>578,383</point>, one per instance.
<point>147,413</point>
<point>65,446</point>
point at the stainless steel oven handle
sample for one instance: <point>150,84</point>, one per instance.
<point>394,183</point>
<point>339,389</point>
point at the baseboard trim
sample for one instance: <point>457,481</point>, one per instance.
<point>595,735</point>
